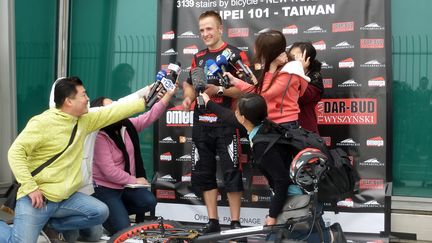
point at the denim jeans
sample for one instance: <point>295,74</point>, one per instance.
<point>122,203</point>
<point>79,211</point>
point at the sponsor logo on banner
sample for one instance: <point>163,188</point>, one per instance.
<point>167,178</point>
<point>259,181</point>
<point>347,203</point>
<point>343,26</point>
<point>165,194</point>
<point>176,117</point>
<point>170,35</point>
<point>320,45</point>
<point>371,162</point>
<point>325,65</point>
<point>190,196</point>
<point>361,111</point>
<point>207,118</point>
<point>186,177</point>
<point>348,142</point>
<point>372,184</point>
<point>370,204</point>
<point>349,83</point>
<point>375,142</point>
<point>290,30</point>
<point>377,82</point>
<point>166,156</point>
<point>327,141</point>
<point>184,139</point>
<point>185,158</point>
<point>190,50</point>
<point>328,83</point>
<point>342,45</point>
<point>315,29</point>
<point>259,198</point>
<point>372,26</point>
<point>238,32</point>
<point>167,140</point>
<point>346,63</point>
<point>169,52</point>
<point>245,200</point>
<point>372,43</point>
<point>188,34</point>
<point>243,48</point>
<point>372,63</point>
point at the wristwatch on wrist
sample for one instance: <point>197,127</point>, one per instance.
<point>220,91</point>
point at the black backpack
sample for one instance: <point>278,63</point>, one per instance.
<point>338,182</point>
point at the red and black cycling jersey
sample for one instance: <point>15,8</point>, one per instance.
<point>203,116</point>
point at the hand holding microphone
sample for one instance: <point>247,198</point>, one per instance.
<point>236,59</point>
<point>198,78</point>
<point>222,62</point>
<point>156,86</point>
<point>213,69</point>
<point>166,83</point>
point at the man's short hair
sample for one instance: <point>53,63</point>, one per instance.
<point>211,13</point>
<point>64,88</point>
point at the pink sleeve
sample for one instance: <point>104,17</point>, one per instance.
<point>142,121</point>
<point>104,164</point>
<point>244,87</point>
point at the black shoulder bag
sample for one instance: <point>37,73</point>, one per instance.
<point>11,193</point>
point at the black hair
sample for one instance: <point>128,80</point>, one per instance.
<point>97,102</point>
<point>66,87</point>
<point>315,65</point>
<point>268,46</point>
<point>253,107</point>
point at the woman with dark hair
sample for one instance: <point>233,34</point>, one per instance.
<point>280,83</point>
<point>117,162</point>
<point>251,114</point>
<point>305,53</point>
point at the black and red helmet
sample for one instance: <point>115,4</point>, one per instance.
<point>307,167</point>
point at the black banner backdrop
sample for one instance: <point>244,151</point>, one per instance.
<point>350,37</point>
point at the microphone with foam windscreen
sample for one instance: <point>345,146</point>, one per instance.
<point>246,70</point>
<point>213,69</point>
<point>199,81</point>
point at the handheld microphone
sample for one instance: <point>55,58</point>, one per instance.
<point>159,76</point>
<point>174,71</point>
<point>213,69</point>
<point>236,59</point>
<point>221,61</point>
<point>198,78</point>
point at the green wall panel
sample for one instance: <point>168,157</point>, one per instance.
<point>35,31</point>
<point>113,50</point>
<point>412,104</point>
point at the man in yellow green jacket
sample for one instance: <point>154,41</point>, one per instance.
<point>51,196</point>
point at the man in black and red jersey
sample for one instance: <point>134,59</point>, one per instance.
<point>214,142</point>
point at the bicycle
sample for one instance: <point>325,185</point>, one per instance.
<point>299,212</point>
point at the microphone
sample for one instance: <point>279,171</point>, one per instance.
<point>198,78</point>
<point>165,83</point>
<point>159,76</point>
<point>236,59</point>
<point>214,70</point>
<point>221,61</point>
